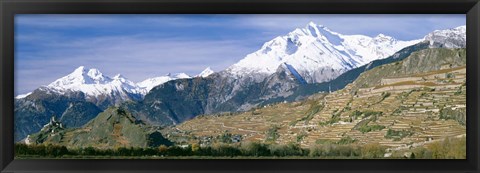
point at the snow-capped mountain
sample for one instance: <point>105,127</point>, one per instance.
<point>180,76</point>
<point>317,53</point>
<point>21,96</point>
<point>77,98</point>
<point>94,84</point>
<point>314,54</point>
<point>207,72</point>
<point>279,71</point>
<point>150,83</point>
<point>448,38</point>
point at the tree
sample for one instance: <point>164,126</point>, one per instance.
<point>255,149</point>
<point>373,150</point>
<point>412,156</point>
<point>162,149</point>
<point>195,147</point>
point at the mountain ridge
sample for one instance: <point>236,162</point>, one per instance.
<point>317,53</point>
<point>216,93</point>
<point>378,47</point>
<point>389,105</point>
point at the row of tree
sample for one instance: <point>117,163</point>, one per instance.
<point>251,149</point>
<point>449,148</point>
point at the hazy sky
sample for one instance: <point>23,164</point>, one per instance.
<point>142,46</point>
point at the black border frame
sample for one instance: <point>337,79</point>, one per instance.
<point>8,9</point>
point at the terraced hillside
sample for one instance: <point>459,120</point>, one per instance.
<point>405,104</point>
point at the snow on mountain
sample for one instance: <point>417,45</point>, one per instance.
<point>448,38</point>
<point>80,76</point>
<point>93,83</point>
<point>317,53</point>
<point>150,83</point>
<point>314,53</point>
<point>207,72</point>
<point>21,96</point>
<point>181,76</point>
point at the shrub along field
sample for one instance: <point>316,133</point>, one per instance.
<point>450,148</point>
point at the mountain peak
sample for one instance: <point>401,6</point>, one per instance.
<point>79,76</point>
<point>96,75</point>
<point>79,69</point>
<point>448,38</point>
<point>383,38</point>
<point>381,35</point>
<point>311,23</point>
<point>119,76</point>
<point>181,75</point>
<point>92,82</point>
<point>150,83</point>
<point>79,72</point>
<point>123,80</point>
<point>317,53</point>
<point>317,30</point>
<point>177,75</point>
<point>208,71</point>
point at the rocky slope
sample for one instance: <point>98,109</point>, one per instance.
<point>113,128</point>
<point>77,98</point>
<point>221,92</point>
<point>35,110</point>
<point>449,38</point>
<point>391,105</point>
<point>284,69</point>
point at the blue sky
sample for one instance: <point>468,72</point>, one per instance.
<point>48,47</point>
